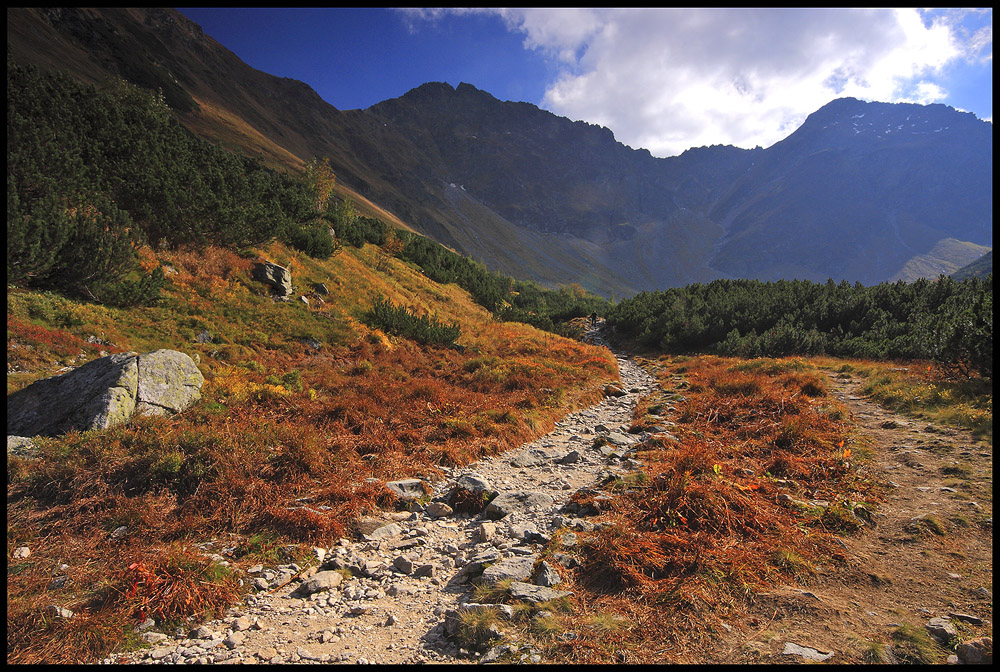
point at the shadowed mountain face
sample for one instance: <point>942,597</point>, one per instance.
<point>862,191</point>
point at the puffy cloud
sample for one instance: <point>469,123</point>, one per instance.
<point>667,79</point>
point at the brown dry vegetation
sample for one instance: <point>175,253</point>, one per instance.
<point>287,447</point>
<point>705,527</point>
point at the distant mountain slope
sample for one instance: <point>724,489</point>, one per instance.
<point>947,257</point>
<point>980,268</point>
<point>857,193</point>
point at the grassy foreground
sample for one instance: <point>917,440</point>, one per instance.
<point>715,514</point>
<point>305,412</point>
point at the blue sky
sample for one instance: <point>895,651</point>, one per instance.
<point>663,79</point>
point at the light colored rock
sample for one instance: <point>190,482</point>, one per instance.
<point>547,575</point>
<point>320,582</point>
<point>535,594</point>
<point>169,382</point>
<point>438,510</point>
<point>809,653</point>
<point>521,500</point>
<point>941,629</point>
<point>385,532</point>
<point>473,482</point>
<point>104,393</point>
<point>408,489</point>
<point>277,277</point>
<point>517,568</point>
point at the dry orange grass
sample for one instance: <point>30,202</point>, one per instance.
<point>690,541</point>
<point>283,442</point>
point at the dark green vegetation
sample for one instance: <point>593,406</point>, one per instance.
<point>944,320</point>
<point>93,174</point>
<point>509,300</point>
<point>398,320</point>
<point>980,268</point>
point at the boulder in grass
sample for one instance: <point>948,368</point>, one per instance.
<point>104,393</point>
<point>277,277</point>
<point>168,383</point>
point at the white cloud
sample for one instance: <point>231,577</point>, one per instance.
<point>670,79</point>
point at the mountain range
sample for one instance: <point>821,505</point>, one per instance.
<point>862,191</point>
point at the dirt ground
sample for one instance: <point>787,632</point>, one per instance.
<point>928,551</point>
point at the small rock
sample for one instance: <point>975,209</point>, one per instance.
<point>976,651</point>
<point>160,653</point>
<point>535,594</point>
<point>385,532</point>
<point>439,510</point>
<point>424,571</point>
<point>234,639</point>
<point>941,629</point>
<point>547,575</point>
<point>967,618</point>
<point>809,653</point>
<point>318,583</point>
<point>408,489</point>
<point>21,552</point>
<point>487,531</point>
<point>571,457</point>
<point>242,623</point>
<point>403,564</point>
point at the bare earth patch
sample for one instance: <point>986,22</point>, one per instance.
<point>928,552</point>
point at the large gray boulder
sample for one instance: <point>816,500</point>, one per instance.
<point>278,277</point>
<point>169,382</point>
<point>104,393</point>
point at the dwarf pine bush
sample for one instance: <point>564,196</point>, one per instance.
<point>398,320</point>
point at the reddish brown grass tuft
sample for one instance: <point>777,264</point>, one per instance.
<point>712,518</point>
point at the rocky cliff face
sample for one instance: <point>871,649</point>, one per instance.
<point>856,193</point>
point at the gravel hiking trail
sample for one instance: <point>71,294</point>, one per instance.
<point>925,554</point>
<point>409,573</point>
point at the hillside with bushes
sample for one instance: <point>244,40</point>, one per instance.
<point>127,233</point>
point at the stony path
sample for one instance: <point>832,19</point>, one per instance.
<point>410,574</point>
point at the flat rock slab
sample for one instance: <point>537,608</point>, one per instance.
<point>535,456</point>
<point>516,568</point>
<point>408,489</point>
<point>809,653</point>
<point>535,594</point>
<point>520,500</point>
<point>318,583</point>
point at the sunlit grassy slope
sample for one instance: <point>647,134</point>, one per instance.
<point>301,403</point>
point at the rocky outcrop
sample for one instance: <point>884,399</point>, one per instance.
<point>104,393</point>
<point>278,277</point>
